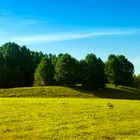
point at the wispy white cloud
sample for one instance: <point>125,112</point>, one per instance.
<point>47,38</point>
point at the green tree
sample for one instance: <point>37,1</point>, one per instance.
<point>53,58</point>
<point>66,70</point>
<point>44,74</point>
<point>82,72</point>
<point>10,70</point>
<point>93,72</point>
<point>27,66</point>
<point>19,64</point>
<point>10,52</point>
<point>119,70</point>
<point>137,80</point>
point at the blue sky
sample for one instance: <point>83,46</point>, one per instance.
<point>77,27</point>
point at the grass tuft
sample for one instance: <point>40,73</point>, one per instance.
<point>110,105</point>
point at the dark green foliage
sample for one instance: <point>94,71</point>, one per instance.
<point>10,77</point>
<point>82,72</point>
<point>21,67</point>
<point>17,65</point>
<point>44,74</point>
<point>119,70</point>
<point>53,58</point>
<point>66,70</point>
<point>26,65</point>
<point>36,58</point>
<point>137,80</point>
<point>92,74</point>
<point>10,69</point>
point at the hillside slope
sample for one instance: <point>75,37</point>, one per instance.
<point>110,91</point>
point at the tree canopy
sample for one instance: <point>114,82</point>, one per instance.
<point>66,70</point>
<point>119,70</point>
<point>44,74</point>
<point>17,65</point>
<point>20,66</point>
<point>93,75</point>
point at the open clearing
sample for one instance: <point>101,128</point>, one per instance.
<point>69,119</point>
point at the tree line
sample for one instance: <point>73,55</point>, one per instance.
<point>21,67</point>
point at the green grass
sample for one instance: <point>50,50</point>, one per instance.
<point>69,119</point>
<point>110,91</point>
<point>70,113</point>
<point>48,91</point>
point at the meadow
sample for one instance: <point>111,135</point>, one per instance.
<point>70,113</point>
<point>111,92</point>
<point>69,119</point>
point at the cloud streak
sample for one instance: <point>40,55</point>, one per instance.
<point>48,38</point>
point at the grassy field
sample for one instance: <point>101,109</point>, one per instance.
<point>110,91</point>
<point>70,113</point>
<point>69,119</point>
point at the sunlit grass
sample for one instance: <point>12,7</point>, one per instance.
<point>69,119</point>
<point>110,91</point>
